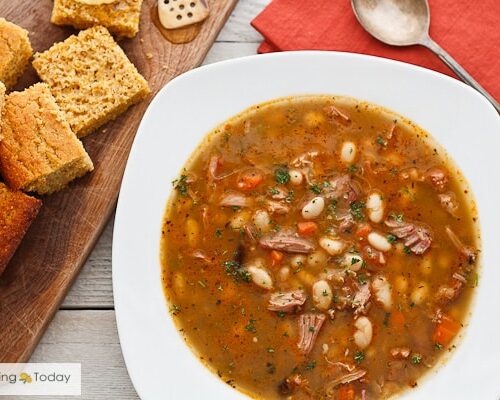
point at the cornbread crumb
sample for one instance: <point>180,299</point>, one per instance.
<point>2,101</point>
<point>91,78</point>
<point>121,18</point>
<point>39,152</point>
<point>15,52</point>
<point>17,212</point>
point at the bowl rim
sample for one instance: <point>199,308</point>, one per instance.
<point>130,337</point>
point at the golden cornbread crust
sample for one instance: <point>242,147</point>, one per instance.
<point>120,17</point>
<point>91,78</point>
<point>15,52</point>
<point>17,211</point>
<point>39,152</point>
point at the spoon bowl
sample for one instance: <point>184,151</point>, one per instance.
<point>395,22</point>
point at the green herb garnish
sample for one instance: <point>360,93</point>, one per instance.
<point>281,175</point>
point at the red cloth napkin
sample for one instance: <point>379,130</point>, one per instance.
<point>469,30</point>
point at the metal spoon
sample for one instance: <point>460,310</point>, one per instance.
<point>406,23</point>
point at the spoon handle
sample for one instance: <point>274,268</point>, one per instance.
<point>457,69</point>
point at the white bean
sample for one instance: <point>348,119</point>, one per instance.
<point>334,247</point>
<point>379,241</point>
<point>322,295</point>
<point>262,220</point>
<point>298,261</point>
<point>260,277</point>
<point>419,294</point>
<point>296,177</point>
<point>284,274</point>
<point>317,258</point>
<point>382,291</point>
<point>348,152</point>
<point>313,208</point>
<point>239,219</point>
<point>376,207</point>
<point>364,332</point>
<point>353,261</point>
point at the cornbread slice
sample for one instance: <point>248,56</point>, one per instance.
<point>15,52</point>
<point>121,17</point>
<point>17,212</point>
<point>91,78</point>
<point>39,152</point>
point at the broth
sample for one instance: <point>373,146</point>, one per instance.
<point>320,247</point>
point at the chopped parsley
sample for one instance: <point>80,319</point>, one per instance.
<point>235,270</point>
<point>380,141</point>
<point>359,356</point>
<point>175,309</point>
<point>218,233</point>
<point>416,359</point>
<point>274,191</point>
<point>316,189</point>
<point>438,346</point>
<point>311,328</point>
<point>407,250</point>
<point>391,238</point>
<point>399,217</point>
<point>181,185</point>
<point>251,326</point>
<point>281,175</point>
<point>310,365</point>
<point>332,207</point>
<point>270,350</point>
<point>387,316</point>
<point>362,279</point>
<point>281,314</point>
<point>235,208</point>
<point>289,196</point>
<point>357,208</point>
<point>353,168</point>
<point>325,293</point>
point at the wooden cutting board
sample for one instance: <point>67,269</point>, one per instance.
<point>70,222</point>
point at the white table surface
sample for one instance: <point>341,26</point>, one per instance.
<point>84,329</point>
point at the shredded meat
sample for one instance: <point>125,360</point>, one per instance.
<point>275,207</point>
<point>342,187</point>
<point>449,292</point>
<point>279,194</point>
<point>346,223</point>
<point>417,238</point>
<point>345,378</point>
<point>438,178</point>
<point>289,384</point>
<point>309,326</point>
<point>466,252</point>
<point>333,112</point>
<point>250,232</point>
<point>201,255</point>
<point>449,202</point>
<point>288,302</point>
<point>400,353</point>
<point>287,241</point>
<point>361,299</point>
<point>304,160</point>
<point>234,199</point>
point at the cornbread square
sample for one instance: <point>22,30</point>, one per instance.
<point>91,78</point>
<point>15,52</point>
<point>39,152</point>
<point>121,17</point>
<point>17,212</point>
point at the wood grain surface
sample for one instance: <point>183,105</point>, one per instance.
<point>58,243</point>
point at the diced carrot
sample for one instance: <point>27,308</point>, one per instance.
<point>307,228</point>
<point>445,331</point>
<point>363,231</point>
<point>397,319</point>
<point>250,180</point>
<point>276,257</point>
<point>346,392</point>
